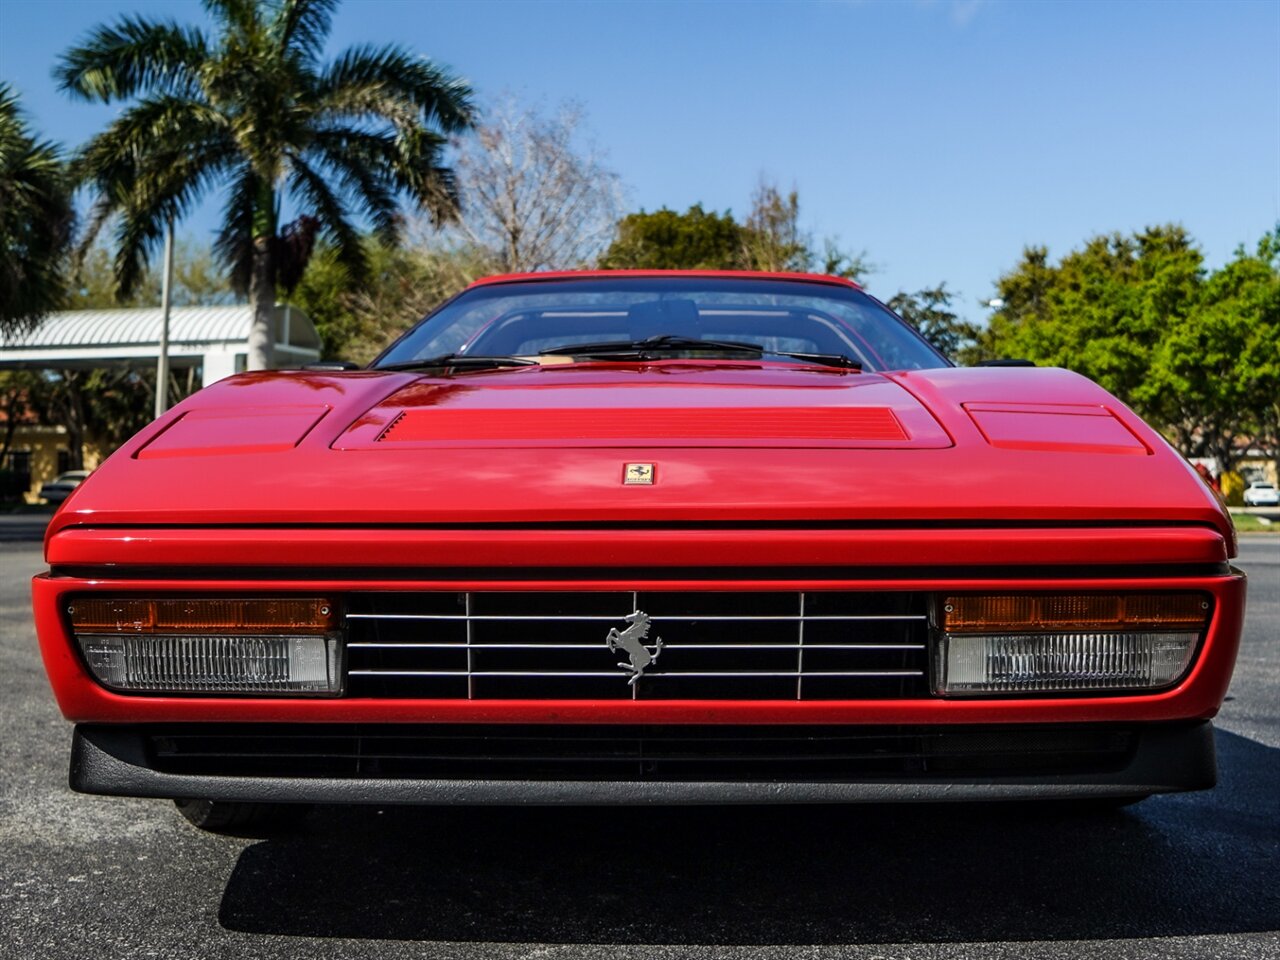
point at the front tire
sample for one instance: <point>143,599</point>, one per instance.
<point>222,816</point>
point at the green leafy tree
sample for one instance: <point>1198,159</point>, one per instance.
<point>665,240</point>
<point>1195,352</point>
<point>837,262</point>
<point>774,240</point>
<point>1102,310</point>
<point>35,220</point>
<point>255,110</point>
<point>405,283</point>
<point>1261,355</point>
<point>1024,295</point>
<point>198,279</point>
<point>16,389</point>
<point>1213,366</point>
<point>930,312</point>
<point>102,406</point>
<point>771,239</point>
<point>1248,290</point>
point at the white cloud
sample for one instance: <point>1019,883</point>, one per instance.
<point>960,12</point>
<point>963,11</point>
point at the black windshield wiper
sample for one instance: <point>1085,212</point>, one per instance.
<point>460,360</point>
<point>653,346</point>
<point>825,359</point>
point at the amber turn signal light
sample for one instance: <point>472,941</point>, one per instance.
<point>1033,614</point>
<point>309,615</point>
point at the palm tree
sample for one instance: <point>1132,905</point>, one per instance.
<point>35,220</point>
<point>257,112</point>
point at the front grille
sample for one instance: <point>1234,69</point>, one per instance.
<point>798,754</point>
<point>780,645</point>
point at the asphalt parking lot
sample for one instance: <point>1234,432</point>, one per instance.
<point>1195,875</point>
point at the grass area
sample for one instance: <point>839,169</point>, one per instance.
<point>1247,523</point>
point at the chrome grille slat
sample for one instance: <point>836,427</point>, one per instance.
<point>622,676</point>
<point>635,605</point>
<point>606,619</point>
<point>471,685</point>
<point>741,645</point>
<point>589,646</point>
<point>800,653</point>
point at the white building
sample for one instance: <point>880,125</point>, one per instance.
<point>206,344</point>
<point>212,341</point>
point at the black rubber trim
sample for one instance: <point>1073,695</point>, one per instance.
<point>1172,757</point>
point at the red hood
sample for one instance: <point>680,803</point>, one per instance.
<point>730,442</point>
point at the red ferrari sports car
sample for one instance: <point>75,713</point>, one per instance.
<point>642,537</point>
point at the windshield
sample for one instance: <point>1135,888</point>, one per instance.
<point>778,316</point>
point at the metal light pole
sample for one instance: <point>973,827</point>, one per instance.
<point>166,298</point>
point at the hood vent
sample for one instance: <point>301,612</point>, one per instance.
<point>658,425</point>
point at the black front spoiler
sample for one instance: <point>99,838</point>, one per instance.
<point>1167,758</point>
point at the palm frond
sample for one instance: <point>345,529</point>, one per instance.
<point>390,83</point>
<point>31,171</point>
<point>144,196</point>
<point>312,192</point>
<point>134,56</point>
<point>137,237</point>
<point>100,211</point>
<point>411,164</point>
<point>155,160</point>
<point>302,26</point>
<point>239,16</point>
<point>161,127</point>
<point>233,245</point>
<point>10,113</point>
<point>368,190</point>
<point>36,217</point>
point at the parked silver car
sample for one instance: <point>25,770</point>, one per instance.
<point>60,487</point>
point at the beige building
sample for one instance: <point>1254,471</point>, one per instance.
<point>39,452</point>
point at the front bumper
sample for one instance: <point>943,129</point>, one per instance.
<point>1197,696</point>
<point>641,765</point>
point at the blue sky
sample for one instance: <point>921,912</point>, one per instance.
<point>941,136</point>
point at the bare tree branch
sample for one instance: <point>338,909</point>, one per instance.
<point>534,195</point>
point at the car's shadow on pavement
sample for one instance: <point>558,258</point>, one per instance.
<point>1203,863</point>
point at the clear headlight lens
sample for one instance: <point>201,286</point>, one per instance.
<point>248,647</point>
<point>1062,661</point>
<point>1067,643</point>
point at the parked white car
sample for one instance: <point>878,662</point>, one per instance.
<point>1260,494</point>
<point>60,487</point>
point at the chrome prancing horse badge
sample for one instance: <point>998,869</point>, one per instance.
<point>632,641</point>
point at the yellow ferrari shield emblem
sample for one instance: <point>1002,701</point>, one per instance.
<point>637,473</point>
